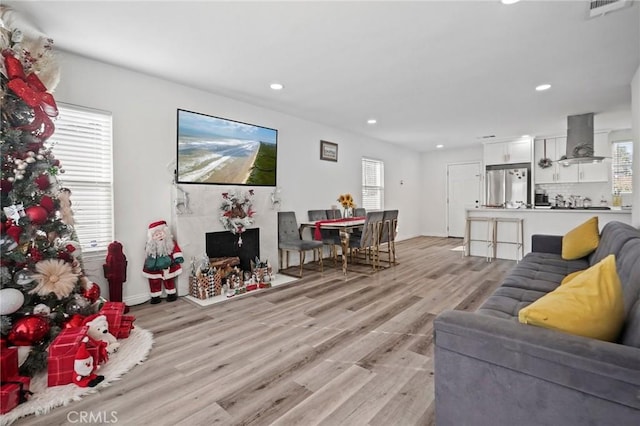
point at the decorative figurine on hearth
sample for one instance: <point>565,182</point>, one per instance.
<point>162,263</point>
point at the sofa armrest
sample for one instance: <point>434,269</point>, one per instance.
<point>538,376</point>
<point>546,243</point>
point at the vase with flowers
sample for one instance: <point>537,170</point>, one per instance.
<point>346,200</point>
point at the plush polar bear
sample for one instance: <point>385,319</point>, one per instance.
<point>99,330</point>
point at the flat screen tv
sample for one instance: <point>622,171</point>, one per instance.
<point>219,151</point>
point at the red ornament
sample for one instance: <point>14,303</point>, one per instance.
<point>75,321</point>
<point>36,255</point>
<point>42,182</point>
<point>37,214</point>
<point>92,293</point>
<point>28,330</point>
<point>14,232</point>
<point>5,186</point>
<point>47,203</point>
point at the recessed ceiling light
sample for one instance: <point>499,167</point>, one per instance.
<point>372,121</point>
<point>543,87</point>
<point>439,146</point>
<point>276,86</point>
<point>509,1</point>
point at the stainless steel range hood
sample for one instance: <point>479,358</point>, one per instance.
<point>580,140</point>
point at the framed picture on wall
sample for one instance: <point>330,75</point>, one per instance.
<point>328,151</point>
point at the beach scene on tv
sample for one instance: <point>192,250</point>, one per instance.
<point>217,150</point>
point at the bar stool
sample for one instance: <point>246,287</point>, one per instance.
<point>519,242</point>
<point>489,240</point>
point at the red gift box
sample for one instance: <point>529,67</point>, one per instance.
<point>62,353</point>
<point>13,392</point>
<point>126,326</point>
<point>119,325</point>
<point>8,363</point>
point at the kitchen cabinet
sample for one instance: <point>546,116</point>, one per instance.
<point>518,151</point>
<point>573,173</point>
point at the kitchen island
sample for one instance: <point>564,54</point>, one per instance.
<point>535,221</point>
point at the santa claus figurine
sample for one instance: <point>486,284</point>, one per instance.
<point>163,261</point>
<point>83,368</point>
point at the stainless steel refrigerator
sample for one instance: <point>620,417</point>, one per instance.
<point>508,185</point>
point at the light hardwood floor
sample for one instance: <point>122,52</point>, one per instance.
<point>322,350</point>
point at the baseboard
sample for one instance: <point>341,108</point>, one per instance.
<point>137,299</point>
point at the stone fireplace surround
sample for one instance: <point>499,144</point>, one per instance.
<point>203,216</point>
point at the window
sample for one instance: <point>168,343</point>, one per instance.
<point>622,166</point>
<point>372,184</point>
<point>82,143</point>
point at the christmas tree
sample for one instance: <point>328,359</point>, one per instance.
<point>42,284</point>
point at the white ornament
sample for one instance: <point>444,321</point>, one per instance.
<point>23,277</point>
<point>42,309</point>
<point>11,300</point>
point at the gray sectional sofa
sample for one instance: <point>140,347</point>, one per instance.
<point>492,370</point>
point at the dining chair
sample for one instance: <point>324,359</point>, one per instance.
<point>290,239</point>
<point>333,214</point>
<point>330,237</point>
<point>388,234</point>
<point>367,246</point>
<point>360,212</point>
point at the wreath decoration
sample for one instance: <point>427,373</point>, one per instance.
<point>236,213</point>
<point>545,163</point>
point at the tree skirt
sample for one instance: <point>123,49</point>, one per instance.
<point>133,351</point>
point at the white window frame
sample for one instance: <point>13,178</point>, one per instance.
<point>373,185</point>
<point>82,141</point>
<point>618,168</point>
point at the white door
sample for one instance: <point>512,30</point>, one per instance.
<point>464,191</point>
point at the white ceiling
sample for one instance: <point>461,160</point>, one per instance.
<point>429,72</point>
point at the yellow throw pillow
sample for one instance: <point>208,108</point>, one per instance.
<point>589,305</point>
<point>581,240</point>
<point>571,276</point>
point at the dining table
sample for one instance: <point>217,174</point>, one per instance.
<point>345,226</point>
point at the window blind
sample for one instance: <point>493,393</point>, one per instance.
<point>372,184</point>
<point>82,142</point>
<point>622,166</point>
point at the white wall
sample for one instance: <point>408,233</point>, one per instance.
<point>144,147</point>
<point>635,124</point>
<point>433,195</point>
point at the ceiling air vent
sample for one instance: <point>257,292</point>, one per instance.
<point>600,7</point>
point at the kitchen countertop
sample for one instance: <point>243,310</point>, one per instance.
<point>547,210</point>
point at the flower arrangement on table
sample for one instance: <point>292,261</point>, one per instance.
<point>346,200</point>
<point>236,213</point>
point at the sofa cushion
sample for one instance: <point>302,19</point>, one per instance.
<point>614,235</point>
<point>589,305</point>
<point>581,240</point>
<point>533,277</point>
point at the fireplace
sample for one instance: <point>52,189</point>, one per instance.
<point>225,244</point>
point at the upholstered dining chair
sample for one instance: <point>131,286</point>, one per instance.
<point>359,212</point>
<point>333,214</point>
<point>366,245</point>
<point>388,234</point>
<point>290,239</point>
<point>330,237</point>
